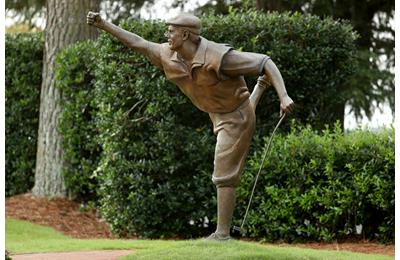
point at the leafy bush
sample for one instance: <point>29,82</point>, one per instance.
<point>323,187</point>
<point>147,145</point>
<point>74,77</point>
<point>156,155</point>
<point>151,150</point>
<point>156,163</point>
<point>314,56</point>
<point>24,55</point>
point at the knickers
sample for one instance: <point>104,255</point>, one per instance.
<point>234,132</point>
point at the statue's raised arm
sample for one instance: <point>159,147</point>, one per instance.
<point>129,39</point>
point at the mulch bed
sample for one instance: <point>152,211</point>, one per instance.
<point>64,215</point>
<point>61,214</point>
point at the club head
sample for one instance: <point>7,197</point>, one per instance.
<point>239,229</point>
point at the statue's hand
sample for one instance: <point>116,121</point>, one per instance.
<point>94,19</point>
<point>287,105</point>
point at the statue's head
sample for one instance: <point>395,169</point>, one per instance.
<point>181,28</point>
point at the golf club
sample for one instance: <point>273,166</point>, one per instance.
<point>266,153</point>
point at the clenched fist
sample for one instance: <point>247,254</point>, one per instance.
<point>94,19</point>
<point>287,105</point>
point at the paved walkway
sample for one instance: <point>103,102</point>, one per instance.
<point>84,255</point>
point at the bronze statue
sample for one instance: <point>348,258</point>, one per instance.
<point>211,75</point>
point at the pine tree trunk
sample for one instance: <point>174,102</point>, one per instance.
<point>66,24</point>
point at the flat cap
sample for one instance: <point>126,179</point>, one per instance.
<point>191,22</point>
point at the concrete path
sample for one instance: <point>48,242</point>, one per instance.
<point>84,255</point>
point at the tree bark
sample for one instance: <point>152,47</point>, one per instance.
<point>66,24</point>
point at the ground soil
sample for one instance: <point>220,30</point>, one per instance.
<point>61,214</point>
<point>65,216</point>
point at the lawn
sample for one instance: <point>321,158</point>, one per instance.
<point>25,237</point>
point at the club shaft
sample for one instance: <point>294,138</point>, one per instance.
<point>259,170</point>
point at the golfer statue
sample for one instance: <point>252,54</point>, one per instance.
<point>211,75</point>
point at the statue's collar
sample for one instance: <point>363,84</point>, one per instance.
<point>199,57</point>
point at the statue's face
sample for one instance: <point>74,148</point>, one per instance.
<point>175,37</point>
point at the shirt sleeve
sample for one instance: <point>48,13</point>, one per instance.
<point>237,63</point>
<point>153,53</point>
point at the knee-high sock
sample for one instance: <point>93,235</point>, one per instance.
<point>226,198</point>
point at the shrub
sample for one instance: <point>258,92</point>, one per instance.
<point>24,55</point>
<point>314,56</point>
<point>323,186</point>
<point>158,148</point>
<point>131,137</point>
<point>75,78</point>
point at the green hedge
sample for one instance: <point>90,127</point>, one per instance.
<point>314,56</point>
<point>135,142</point>
<point>158,148</point>
<point>321,186</point>
<point>75,78</point>
<point>24,55</point>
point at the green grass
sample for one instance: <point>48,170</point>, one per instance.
<point>25,237</point>
<point>201,249</point>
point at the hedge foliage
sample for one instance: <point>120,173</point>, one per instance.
<point>158,148</point>
<point>150,140</point>
<point>24,55</point>
<point>314,56</point>
<point>323,186</point>
<point>74,76</point>
<point>157,151</point>
<point>135,144</point>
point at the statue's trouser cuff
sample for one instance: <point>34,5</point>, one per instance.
<point>234,132</point>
